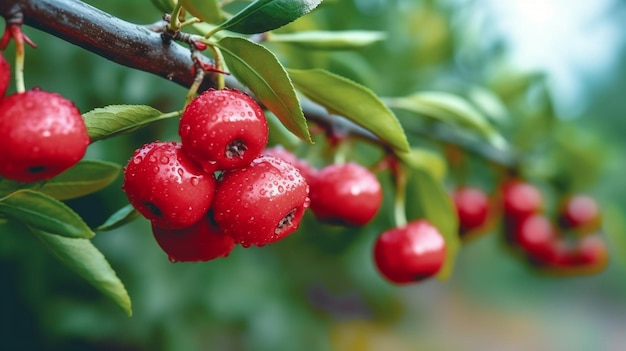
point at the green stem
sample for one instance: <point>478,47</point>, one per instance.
<point>399,208</point>
<point>219,65</point>
<point>20,87</point>
<point>174,24</point>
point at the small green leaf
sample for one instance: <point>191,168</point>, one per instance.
<point>265,15</point>
<point>42,212</point>
<point>353,101</point>
<point>88,262</point>
<point>86,177</point>
<point>121,217</point>
<point>207,10</point>
<point>426,160</point>
<point>113,120</point>
<point>451,109</point>
<point>8,186</point>
<point>257,68</point>
<point>329,40</point>
<point>427,198</point>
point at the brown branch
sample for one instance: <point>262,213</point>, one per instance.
<point>140,48</point>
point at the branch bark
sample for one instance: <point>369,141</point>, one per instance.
<point>137,47</point>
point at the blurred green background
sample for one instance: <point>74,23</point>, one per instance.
<point>551,75</point>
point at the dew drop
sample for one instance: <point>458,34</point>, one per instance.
<point>195,181</point>
<point>155,169</point>
<point>172,259</point>
<point>137,160</point>
<point>165,160</point>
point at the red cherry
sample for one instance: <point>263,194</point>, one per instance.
<point>166,187</point>
<point>537,237</point>
<point>5,75</point>
<point>223,129</point>
<point>521,199</point>
<point>261,203</point>
<point>307,171</point>
<point>347,194</point>
<point>202,241</point>
<point>411,253</point>
<point>41,134</point>
<point>472,207</point>
<point>580,212</point>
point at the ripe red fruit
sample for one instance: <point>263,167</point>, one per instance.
<point>166,187</point>
<point>261,203</point>
<point>307,171</point>
<point>472,207</point>
<point>537,237</point>
<point>347,194</point>
<point>521,199</point>
<point>202,241</point>
<point>5,75</point>
<point>41,134</point>
<point>223,129</point>
<point>411,253</point>
<point>581,213</point>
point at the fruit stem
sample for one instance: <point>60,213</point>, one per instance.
<point>20,87</point>
<point>219,65</point>
<point>400,180</point>
<point>174,23</point>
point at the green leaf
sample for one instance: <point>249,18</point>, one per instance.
<point>265,15</point>
<point>426,160</point>
<point>329,40</point>
<point>86,177</point>
<point>428,199</point>
<point>165,6</point>
<point>450,109</point>
<point>257,68</point>
<point>121,217</point>
<point>42,212</point>
<point>207,10</point>
<point>113,120</point>
<point>87,261</point>
<point>353,101</point>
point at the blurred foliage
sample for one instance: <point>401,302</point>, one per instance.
<point>318,289</point>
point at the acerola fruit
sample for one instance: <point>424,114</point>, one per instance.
<point>5,75</point>
<point>472,207</point>
<point>521,199</point>
<point>307,171</point>
<point>261,203</point>
<point>202,241</point>
<point>581,213</point>
<point>41,134</point>
<point>411,253</point>
<point>537,237</point>
<point>223,129</point>
<point>348,194</point>
<point>167,187</point>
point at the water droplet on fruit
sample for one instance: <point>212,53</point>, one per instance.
<point>165,160</point>
<point>262,192</point>
<point>46,133</point>
<point>172,259</point>
<point>184,130</point>
<point>180,172</point>
<point>195,181</point>
<point>245,244</point>
<point>281,189</point>
<point>137,160</point>
<point>155,169</point>
<point>152,159</point>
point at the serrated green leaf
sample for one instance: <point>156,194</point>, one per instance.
<point>87,261</point>
<point>207,10</point>
<point>426,160</point>
<point>121,217</point>
<point>265,15</point>
<point>43,212</point>
<point>352,101</point>
<point>450,109</point>
<point>86,177</point>
<point>257,68</point>
<point>113,120</point>
<point>427,198</point>
<point>329,40</point>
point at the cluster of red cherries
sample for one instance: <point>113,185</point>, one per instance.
<point>221,185</point>
<point>42,133</point>
<point>569,242</point>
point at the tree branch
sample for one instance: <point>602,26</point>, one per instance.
<point>138,47</point>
